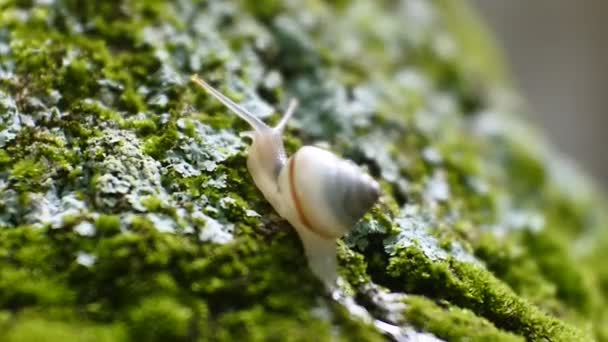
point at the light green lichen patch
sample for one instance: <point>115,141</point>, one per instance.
<point>415,228</point>
<point>125,197</point>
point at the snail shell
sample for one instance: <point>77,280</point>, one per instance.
<point>330,194</point>
<point>321,195</point>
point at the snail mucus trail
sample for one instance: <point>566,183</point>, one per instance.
<point>321,195</point>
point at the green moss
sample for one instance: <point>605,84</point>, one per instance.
<point>483,57</point>
<point>156,146</point>
<point>28,280</point>
<point>36,54</point>
<point>519,270</point>
<point>108,224</point>
<point>452,323</point>
<point>28,175</point>
<point>527,172</point>
<point>132,102</point>
<point>172,320</point>
<point>97,111</point>
<point>5,159</point>
<point>265,10</point>
<point>473,288</point>
<point>76,81</point>
<point>574,286</point>
<point>32,328</point>
<point>153,204</point>
<point>245,326</point>
<point>355,267</point>
<point>144,127</point>
<point>32,289</point>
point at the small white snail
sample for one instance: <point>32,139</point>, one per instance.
<point>320,194</point>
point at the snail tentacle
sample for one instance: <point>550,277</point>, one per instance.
<point>252,120</point>
<point>280,127</point>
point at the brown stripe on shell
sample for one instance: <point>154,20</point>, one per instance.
<point>298,204</point>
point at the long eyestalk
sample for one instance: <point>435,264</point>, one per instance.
<point>253,121</point>
<point>293,104</point>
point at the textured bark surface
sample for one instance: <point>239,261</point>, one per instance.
<point>127,212</point>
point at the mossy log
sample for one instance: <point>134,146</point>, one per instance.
<point>127,212</point>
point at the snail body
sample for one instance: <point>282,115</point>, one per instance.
<point>321,195</point>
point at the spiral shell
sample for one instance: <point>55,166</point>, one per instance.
<point>328,193</point>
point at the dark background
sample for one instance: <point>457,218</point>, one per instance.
<point>558,54</point>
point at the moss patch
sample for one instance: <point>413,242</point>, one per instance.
<point>453,323</point>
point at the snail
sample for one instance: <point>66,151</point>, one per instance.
<point>321,195</point>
